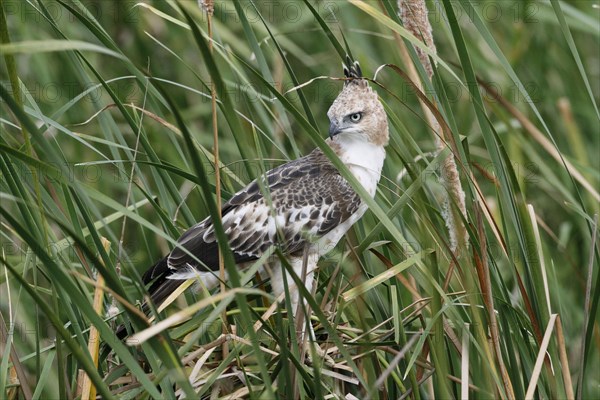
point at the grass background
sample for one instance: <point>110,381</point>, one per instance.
<point>106,132</point>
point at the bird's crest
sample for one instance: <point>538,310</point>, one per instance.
<point>352,71</point>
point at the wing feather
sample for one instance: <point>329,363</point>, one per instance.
<point>306,199</point>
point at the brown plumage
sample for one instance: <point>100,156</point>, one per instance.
<point>304,204</point>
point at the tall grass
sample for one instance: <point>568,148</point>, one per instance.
<point>106,157</point>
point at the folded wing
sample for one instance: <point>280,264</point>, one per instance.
<point>290,207</point>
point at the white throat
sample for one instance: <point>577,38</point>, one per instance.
<point>364,159</point>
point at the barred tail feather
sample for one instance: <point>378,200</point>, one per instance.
<point>159,290</point>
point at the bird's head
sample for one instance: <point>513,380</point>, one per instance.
<point>357,113</point>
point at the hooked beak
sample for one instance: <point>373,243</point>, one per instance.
<point>333,129</point>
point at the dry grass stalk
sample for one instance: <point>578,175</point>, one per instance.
<point>539,362</point>
<point>88,391</point>
<point>485,283</point>
<point>208,6</point>
<point>564,360</point>
<point>414,17</point>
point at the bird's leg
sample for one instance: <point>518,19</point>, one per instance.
<point>303,312</point>
<point>304,267</point>
<point>304,270</point>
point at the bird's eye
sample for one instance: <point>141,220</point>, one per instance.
<point>355,117</point>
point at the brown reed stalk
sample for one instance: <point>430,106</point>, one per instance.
<point>209,7</point>
<point>413,14</point>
